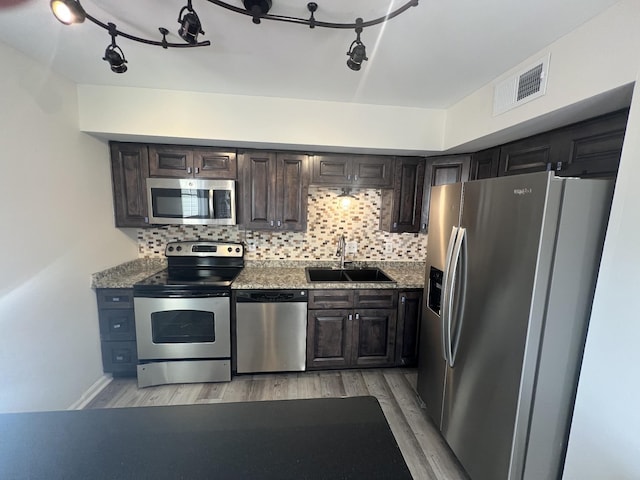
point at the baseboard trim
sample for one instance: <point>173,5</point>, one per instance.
<point>91,393</point>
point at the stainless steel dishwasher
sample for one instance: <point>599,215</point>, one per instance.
<point>271,330</point>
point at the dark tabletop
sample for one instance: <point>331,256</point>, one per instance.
<point>337,438</point>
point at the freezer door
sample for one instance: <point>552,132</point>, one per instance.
<point>503,222</point>
<point>444,215</point>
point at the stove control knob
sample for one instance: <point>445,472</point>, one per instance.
<point>179,248</point>
<point>230,249</point>
<point>238,249</point>
<point>170,249</point>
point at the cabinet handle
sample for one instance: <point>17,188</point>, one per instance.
<point>271,223</point>
<point>349,177</point>
<point>395,225</point>
<point>279,223</point>
<point>355,178</point>
<point>402,299</point>
<point>146,219</point>
<point>116,326</point>
<point>350,317</point>
<point>188,169</point>
<point>197,169</point>
<point>558,166</point>
<point>357,316</point>
<point>115,299</point>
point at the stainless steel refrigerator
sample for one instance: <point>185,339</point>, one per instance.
<point>510,273</point>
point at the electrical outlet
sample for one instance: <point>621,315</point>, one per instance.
<point>388,247</point>
<point>351,248</point>
<point>251,247</point>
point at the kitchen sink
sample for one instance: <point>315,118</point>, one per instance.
<point>346,275</point>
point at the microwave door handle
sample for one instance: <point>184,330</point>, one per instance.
<point>212,214</point>
<point>444,313</point>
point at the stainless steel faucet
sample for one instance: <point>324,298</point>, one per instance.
<point>341,250</point>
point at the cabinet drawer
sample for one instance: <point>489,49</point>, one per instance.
<point>117,324</point>
<point>119,357</point>
<point>375,298</point>
<point>115,297</point>
<point>331,298</point>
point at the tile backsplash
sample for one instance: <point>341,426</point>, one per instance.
<point>326,221</point>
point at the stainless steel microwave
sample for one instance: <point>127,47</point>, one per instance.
<point>191,201</point>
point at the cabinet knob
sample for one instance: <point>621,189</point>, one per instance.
<point>357,316</point>
<point>402,299</point>
<point>349,177</point>
<point>197,169</point>
<point>350,317</point>
<point>188,169</point>
<point>271,223</point>
<point>355,178</point>
<point>279,223</point>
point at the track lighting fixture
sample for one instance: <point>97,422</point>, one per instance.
<point>114,54</point>
<point>357,51</point>
<point>67,11</point>
<point>190,25</point>
<point>70,11</point>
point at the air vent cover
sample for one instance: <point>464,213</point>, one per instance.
<point>522,87</point>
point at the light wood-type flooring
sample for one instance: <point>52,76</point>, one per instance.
<point>427,455</point>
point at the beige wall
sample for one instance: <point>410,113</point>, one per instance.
<point>57,229</point>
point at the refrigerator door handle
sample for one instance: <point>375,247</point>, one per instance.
<point>459,258</point>
<point>446,293</point>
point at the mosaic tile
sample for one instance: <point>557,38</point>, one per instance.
<point>326,221</point>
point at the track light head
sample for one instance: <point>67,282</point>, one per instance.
<point>257,8</point>
<point>357,51</point>
<point>68,11</point>
<point>114,55</point>
<point>190,25</point>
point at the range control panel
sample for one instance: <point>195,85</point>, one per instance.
<point>204,249</point>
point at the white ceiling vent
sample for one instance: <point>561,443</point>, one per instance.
<point>522,87</point>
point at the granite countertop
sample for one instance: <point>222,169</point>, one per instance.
<point>267,274</point>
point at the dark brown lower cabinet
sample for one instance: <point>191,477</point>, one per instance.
<point>409,313</point>
<point>351,328</point>
<point>117,331</point>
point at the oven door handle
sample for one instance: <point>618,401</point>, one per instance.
<point>204,293</point>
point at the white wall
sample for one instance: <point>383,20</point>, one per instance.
<point>599,56</point>
<point>57,229</point>
<point>158,115</point>
<point>605,433</point>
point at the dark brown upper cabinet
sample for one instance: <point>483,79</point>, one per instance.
<point>273,190</point>
<point>185,162</point>
<point>340,170</point>
<point>129,172</point>
<point>401,207</point>
<point>593,148</point>
<point>531,154</point>
<point>484,164</point>
<point>442,171</point>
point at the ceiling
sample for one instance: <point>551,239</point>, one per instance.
<point>431,56</point>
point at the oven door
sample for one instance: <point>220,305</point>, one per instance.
<point>183,328</point>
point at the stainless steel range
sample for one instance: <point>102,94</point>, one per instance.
<point>183,314</point>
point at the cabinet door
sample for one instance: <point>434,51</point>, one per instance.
<point>374,332</point>
<point>593,147</point>
<point>129,172</point>
<point>119,358</point>
<point>213,163</point>
<point>329,338</point>
<point>257,190</point>
<point>117,324</point>
<point>401,207</point>
<point>533,154</point>
<point>170,161</point>
<point>330,169</point>
<point>380,298</point>
<point>372,171</point>
<point>292,188</point>
<point>407,332</point>
<point>442,171</point>
<point>485,164</point>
